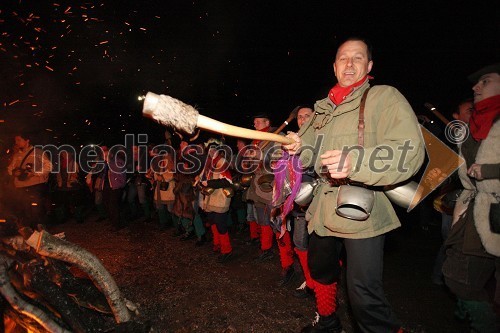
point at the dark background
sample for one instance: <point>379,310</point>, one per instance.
<point>71,72</point>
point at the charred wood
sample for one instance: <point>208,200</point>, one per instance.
<point>80,320</point>
<point>47,245</point>
<point>20,305</point>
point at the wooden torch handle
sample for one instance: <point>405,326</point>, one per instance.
<point>440,116</point>
<point>212,125</point>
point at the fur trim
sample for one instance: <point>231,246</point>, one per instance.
<point>487,189</point>
<point>490,240</point>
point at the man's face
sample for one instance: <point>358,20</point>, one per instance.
<point>303,115</point>
<point>260,123</point>
<point>487,86</point>
<point>21,143</point>
<point>351,63</point>
<point>464,112</point>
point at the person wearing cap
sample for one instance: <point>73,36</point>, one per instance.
<point>347,146</point>
<point>473,244</point>
<point>217,177</point>
<point>262,202</point>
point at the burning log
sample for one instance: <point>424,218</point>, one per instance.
<point>20,305</point>
<point>169,111</point>
<point>81,320</point>
<point>47,245</point>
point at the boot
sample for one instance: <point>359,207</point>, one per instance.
<point>324,324</point>
<point>265,255</point>
<point>303,291</point>
<point>200,241</point>
<point>187,236</point>
<point>287,276</point>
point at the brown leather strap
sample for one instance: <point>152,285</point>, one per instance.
<point>361,122</point>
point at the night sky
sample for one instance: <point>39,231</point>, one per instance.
<point>71,71</point>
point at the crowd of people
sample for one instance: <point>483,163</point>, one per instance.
<point>354,137</point>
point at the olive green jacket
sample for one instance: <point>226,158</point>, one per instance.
<point>393,152</point>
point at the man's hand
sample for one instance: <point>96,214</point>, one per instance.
<point>337,163</point>
<point>475,171</point>
<point>292,148</point>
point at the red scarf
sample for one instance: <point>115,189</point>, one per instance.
<point>482,117</point>
<point>256,142</point>
<point>338,94</point>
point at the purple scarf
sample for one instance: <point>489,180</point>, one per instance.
<point>287,180</point>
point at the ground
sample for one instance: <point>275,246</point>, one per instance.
<point>181,288</point>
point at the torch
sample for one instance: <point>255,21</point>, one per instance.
<point>169,111</point>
